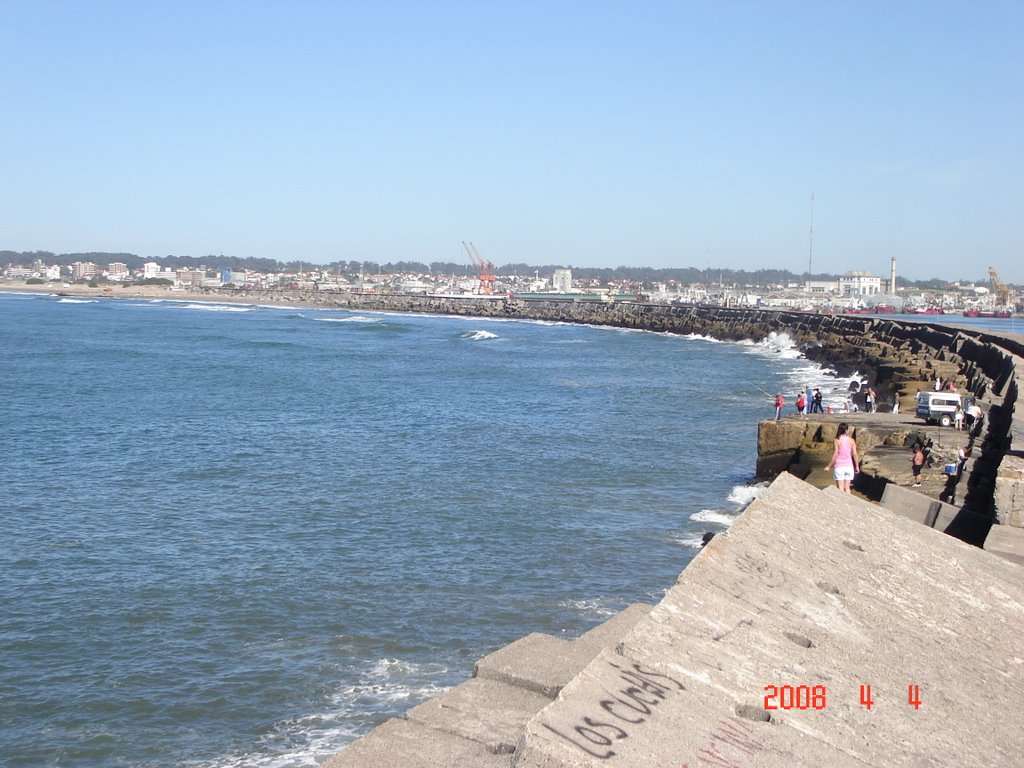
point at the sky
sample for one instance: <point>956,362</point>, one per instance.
<point>721,133</point>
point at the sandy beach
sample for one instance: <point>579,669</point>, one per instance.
<point>114,291</point>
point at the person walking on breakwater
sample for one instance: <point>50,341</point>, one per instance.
<point>845,462</point>
<point>778,406</point>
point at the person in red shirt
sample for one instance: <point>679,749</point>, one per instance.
<point>778,407</point>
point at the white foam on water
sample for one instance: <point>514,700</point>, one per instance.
<point>691,541</point>
<point>742,495</point>
<point>715,516</point>
<point>306,741</point>
<point>216,307</point>
<point>597,607</point>
<point>479,335</point>
<point>709,339</point>
<point>777,345</point>
<point>352,319</point>
<point>76,301</point>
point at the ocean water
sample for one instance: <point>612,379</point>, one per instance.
<point>242,536</point>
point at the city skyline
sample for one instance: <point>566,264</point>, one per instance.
<point>660,135</point>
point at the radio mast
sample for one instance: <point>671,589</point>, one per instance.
<point>810,248</point>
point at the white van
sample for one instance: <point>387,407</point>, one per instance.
<point>941,406</point>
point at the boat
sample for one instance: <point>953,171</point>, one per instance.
<point>884,309</point>
<point>1000,313</point>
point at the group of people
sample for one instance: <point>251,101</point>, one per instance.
<point>807,402</point>
<point>968,417</point>
<point>921,450</point>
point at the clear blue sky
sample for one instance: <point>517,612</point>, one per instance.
<point>665,134</point>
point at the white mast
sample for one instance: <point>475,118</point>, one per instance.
<point>810,248</point>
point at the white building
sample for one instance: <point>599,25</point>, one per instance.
<point>860,284</point>
<point>193,277</point>
<point>822,286</point>
<point>150,269</point>
<point>561,280</point>
<point>83,269</point>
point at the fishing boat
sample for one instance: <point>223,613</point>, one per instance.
<point>1000,313</point>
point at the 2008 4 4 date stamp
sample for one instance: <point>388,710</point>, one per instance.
<point>805,697</point>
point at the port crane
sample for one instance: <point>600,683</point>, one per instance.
<point>999,288</point>
<point>485,269</point>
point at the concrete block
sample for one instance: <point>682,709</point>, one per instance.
<point>537,662</point>
<point>908,503</point>
<point>610,633</point>
<point>1007,541</point>
<point>809,591</point>
<point>405,744</point>
<point>485,711</point>
<point>1009,490</point>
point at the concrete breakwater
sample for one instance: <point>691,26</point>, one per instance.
<point>820,630</point>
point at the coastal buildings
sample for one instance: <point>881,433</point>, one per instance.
<point>855,291</point>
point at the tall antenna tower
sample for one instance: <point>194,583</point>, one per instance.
<point>810,248</point>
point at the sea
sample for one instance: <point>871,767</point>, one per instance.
<point>238,535</point>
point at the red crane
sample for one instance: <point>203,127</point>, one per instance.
<point>485,269</point>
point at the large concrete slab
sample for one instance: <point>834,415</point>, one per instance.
<point>538,662</point>
<point>405,744</point>
<point>1006,541</point>
<point>824,594</point>
<point>486,711</point>
<point>610,633</point>
<point>918,507</point>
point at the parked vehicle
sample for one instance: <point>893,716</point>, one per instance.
<point>940,407</point>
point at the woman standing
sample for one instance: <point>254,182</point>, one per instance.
<point>844,459</point>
